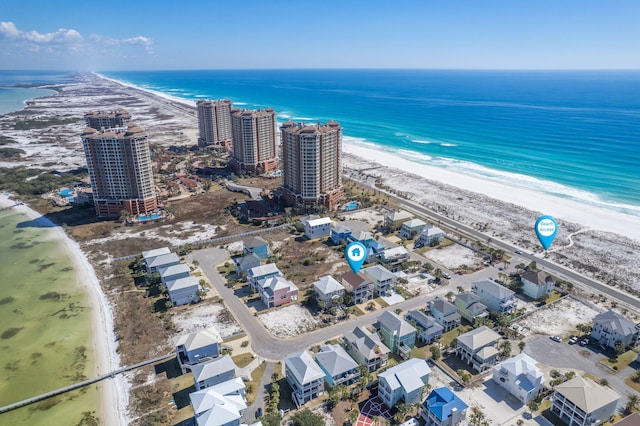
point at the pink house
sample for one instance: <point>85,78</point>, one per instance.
<point>276,291</point>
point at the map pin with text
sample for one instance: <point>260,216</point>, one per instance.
<point>356,253</point>
<point>546,230</point>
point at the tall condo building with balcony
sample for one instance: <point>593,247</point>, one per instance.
<point>254,140</point>
<point>107,119</point>
<point>214,123</point>
<point>119,164</point>
<point>312,164</point>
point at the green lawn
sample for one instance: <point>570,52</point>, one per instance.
<point>242,360</point>
<point>622,362</point>
<point>256,377</point>
<point>448,337</point>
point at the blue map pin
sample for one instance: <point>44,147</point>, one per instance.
<point>356,253</point>
<point>546,230</point>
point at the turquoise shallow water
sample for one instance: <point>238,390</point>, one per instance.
<point>570,134</point>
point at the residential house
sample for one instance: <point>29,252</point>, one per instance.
<point>520,377</point>
<point>317,228</point>
<point>244,263</point>
<point>220,405</point>
<point>365,237</point>
<point>256,245</point>
<point>259,273</point>
<point>445,313</point>
<point>339,368</point>
<point>396,333</point>
<point>149,255</point>
<point>443,408</point>
<point>428,328</point>
<point>340,233</point>
<point>429,236</point>
<point>328,289</point>
<point>183,291</point>
<point>366,348</point>
<point>277,291</point>
<point>610,327</point>
<point>631,420</point>
<point>394,220</point>
<point>411,228</point>
<point>197,347</point>
<point>213,372</point>
<point>536,284</point>
<point>174,272</point>
<point>581,402</point>
<point>161,261</point>
<point>470,306</point>
<point>494,296</point>
<point>403,382</point>
<point>304,376</point>
<point>383,279</point>
<point>394,257</point>
<point>477,348</point>
<point>359,286</point>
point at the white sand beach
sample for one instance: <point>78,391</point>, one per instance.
<point>114,392</point>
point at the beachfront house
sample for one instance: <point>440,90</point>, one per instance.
<point>340,233</point>
<point>394,220</point>
<point>520,377</point>
<point>220,405</point>
<point>445,313</point>
<point>394,257</point>
<point>183,291</point>
<point>277,291</point>
<point>429,236</point>
<point>477,348</point>
<point>443,408</point>
<point>339,368</point>
<point>470,306</point>
<point>213,372</point>
<point>154,263</point>
<point>304,376</point>
<point>383,279</point>
<point>174,272</point>
<point>610,328</point>
<point>403,382</point>
<point>256,245</point>
<point>260,273</point>
<point>360,287</point>
<point>243,264</point>
<point>397,334</point>
<point>411,228</point>
<point>197,347</point>
<point>149,255</point>
<point>317,228</point>
<point>536,284</point>
<point>494,296</point>
<point>328,290</point>
<point>582,402</point>
<point>428,328</point>
<point>366,348</point>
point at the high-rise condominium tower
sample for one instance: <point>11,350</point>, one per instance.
<point>119,164</point>
<point>254,140</point>
<point>312,164</point>
<point>214,123</point>
<point>107,120</point>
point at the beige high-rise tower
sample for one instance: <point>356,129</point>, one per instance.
<point>254,140</point>
<point>312,164</point>
<point>119,164</point>
<point>214,123</point>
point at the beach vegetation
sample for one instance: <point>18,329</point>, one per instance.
<point>11,153</point>
<point>24,181</point>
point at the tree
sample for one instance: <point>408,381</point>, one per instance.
<point>436,353</point>
<point>604,382</point>
<point>619,348</point>
<point>521,345</point>
<point>353,415</point>
<point>307,417</point>
<point>533,406</point>
<point>477,417</point>
<point>460,289</point>
<point>506,348</point>
<point>402,410</point>
<point>633,402</point>
<point>464,375</point>
<point>449,296</point>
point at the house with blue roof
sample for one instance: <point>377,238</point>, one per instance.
<point>443,408</point>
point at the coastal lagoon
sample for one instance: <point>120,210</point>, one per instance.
<point>45,327</point>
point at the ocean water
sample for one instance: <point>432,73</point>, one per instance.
<point>570,134</point>
<point>16,86</point>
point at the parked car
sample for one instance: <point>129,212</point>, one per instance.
<point>447,276</point>
<point>518,252</point>
<point>556,339</point>
<point>573,340</point>
<point>584,342</point>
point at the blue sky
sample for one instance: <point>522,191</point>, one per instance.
<point>227,34</point>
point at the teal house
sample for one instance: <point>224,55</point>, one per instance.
<point>397,334</point>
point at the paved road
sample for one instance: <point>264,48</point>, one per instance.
<point>547,265</point>
<point>249,415</point>
<point>266,345</point>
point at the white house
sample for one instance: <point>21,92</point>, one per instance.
<point>411,228</point>
<point>183,291</point>
<point>583,402</point>
<point>173,272</point>
<point>328,289</point>
<point>494,296</point>
<point>519,376</point>
<point>197,347</point>
<point>317,228</point>
<point>477,348</point>
<point>258,273</point>
<point>304,376</point>
<point>430,235</point>
<point>536,284</point>
<point>611,327</point>
<point>403,382</point>
<point>161,261</point>
<point>220,405</point>
<point>149,255</point>
<point>383,279</point>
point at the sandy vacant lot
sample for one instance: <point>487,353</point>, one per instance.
<point>559,318</point>
<point>204,315</point>
<point>289,321</point>
<point>453,256</point>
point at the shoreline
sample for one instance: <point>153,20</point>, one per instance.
<point>113,392</point>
